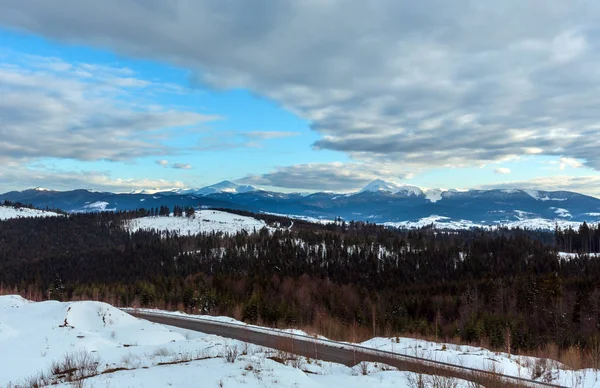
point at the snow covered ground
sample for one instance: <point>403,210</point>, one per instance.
<point>447,223</point>
<point>314,220</point>
<point>567,255</point>
<point>459,355</point>
<point>9,212</point>
<point>122,351</point>
<point>204,221</point>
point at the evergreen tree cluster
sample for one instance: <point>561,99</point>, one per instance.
<point>476,285</point>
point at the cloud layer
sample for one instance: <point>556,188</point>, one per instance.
<point>430,83</point>
<point>334,176</point>
<point>51,108</point>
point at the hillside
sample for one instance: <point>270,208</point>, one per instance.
<point>10,212</point>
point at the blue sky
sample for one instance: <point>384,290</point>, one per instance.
<point>280,100</point>
<point>224,149</point>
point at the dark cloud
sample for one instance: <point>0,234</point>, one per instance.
<point>321,176</point>
<point>420,84</point>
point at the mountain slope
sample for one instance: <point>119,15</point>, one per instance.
<point>378,202</point>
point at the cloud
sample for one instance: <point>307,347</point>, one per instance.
<point>20,177</point>
<point>569,162</point>
<point>181,166</point>
<point>334,176</point>
<point>228,140</point>
<point>178,166</point>
<point>502,170</point>
<point>427,84</point>
<point>52,108</point>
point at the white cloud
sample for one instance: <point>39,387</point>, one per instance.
<point>20,177</point>
<point>569,162</point>
<point>181,166</point>
<point>502,170</point>
<point>51,108</point>
<point>178,166</point>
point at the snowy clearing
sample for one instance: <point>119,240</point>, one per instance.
<point>314,220</point>
<point>204,221</point>
<point>9,212</point>
<point>135,353</point>
<point>442,222</point>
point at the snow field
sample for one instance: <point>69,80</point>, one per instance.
<point>9,212</point>
<point>137,353</point>
<point>204,221</point>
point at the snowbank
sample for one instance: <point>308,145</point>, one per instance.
<point>137,353</point>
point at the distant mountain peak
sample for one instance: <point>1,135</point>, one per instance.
<point>225,187</point>
<point>379,185</point>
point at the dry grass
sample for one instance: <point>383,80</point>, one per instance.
<point>72,368</point>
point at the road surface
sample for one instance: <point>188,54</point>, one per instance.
<point>342,353</point>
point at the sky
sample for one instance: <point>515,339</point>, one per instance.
<point>302,95</point>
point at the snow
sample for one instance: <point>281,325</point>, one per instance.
<point>562,212</point>
<point>154,355</point>
<point>204,221</point>
<point>542,196</point>
<point>225,187</point>
<point>98,206</point>
<point>459,355</point>
<point>433,195</point>
<point>569,255</point>
<point>303,218</point>
<point>480,358</point>
<point>380,185</point>
<point>442,222</point>
<point>9,212</point>
<point>438,221</point>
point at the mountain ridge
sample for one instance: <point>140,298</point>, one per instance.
<point>378,202</point>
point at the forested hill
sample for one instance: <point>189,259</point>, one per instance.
<point>477,285</point>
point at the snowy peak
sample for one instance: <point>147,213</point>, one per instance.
<point>225,187</point>
<point>379,185</point>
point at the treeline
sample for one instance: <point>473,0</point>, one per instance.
<point>504,287</point>
<point>586,239</point>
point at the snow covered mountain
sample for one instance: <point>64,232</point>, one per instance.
<point>225,187</point>
<point>378,202</point>
<point>380,185</point>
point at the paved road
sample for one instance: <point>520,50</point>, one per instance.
<point>335,352</point>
